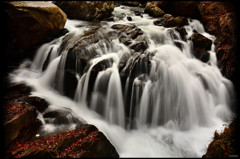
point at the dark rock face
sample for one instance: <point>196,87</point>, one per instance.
<point>20,113</point>
<point>83,49</point>
<point>224,144</point>
<point>85,141</point>
<point>201,45</point>
<point>20,122</point>
<point>30,24</point>
<point>180,8</point>
<point>86,10</point>
<point>219,19</point>
<point>21,126</point>
<point>182,31</point>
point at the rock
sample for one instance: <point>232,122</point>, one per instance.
<point>85,141</point>
<point>21,93</point>
<point>219,19</point>
<point>180,8</point>
<point>14,91</point>
<point>201,45</point>
<point>182,31</point>
<point>128,34</point>
<point>129,18</point>
<point>169,21</point>
<point>39,103</point>
<point>81,51</point>
<point>138,13</point>
<point>200,41</point>
<point>30,24</point>
<point>61,116</point>
<point>205,56</point>
<point>223,145</point>
<point>70,83</point>
<point>86,10</point>
<point>20,121</point>
<point>139,46</point>
<point>153,10</point>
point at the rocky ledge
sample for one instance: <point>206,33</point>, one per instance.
<point>224,145</point>
<point>22,126</point>
<point>85,141</point>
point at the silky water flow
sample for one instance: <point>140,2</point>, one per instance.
<point>173,109</point>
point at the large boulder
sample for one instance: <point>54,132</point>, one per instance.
<point>86,10</point>
<point>30,23</point>
<point>20,121</point>
<point>153,10</point>
<point>85,141</point>
<point>219,19</point>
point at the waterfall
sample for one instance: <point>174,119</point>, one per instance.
<point>166,105</point>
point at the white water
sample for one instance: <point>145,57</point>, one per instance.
<point>182,102</point>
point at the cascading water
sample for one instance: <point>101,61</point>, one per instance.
<point>168,106</point>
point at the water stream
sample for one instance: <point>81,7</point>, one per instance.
<point>174,108</point>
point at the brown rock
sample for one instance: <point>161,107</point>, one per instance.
<point>182,31</point>
<point>30,23</point>
<point>20,121</point>
<point>223,145</point>
<point>86,10</point>
<point>153,10</point>
<point>201,45</point>
<point>169,21</point>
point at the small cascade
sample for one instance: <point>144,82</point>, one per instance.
<point>149,91</point>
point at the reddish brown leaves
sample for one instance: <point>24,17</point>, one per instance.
<point>67,144</point>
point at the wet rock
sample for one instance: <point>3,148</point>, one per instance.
<point>205,56</point>
<point>139,46</point>
<point>138,13</point>
<point>169,21</point>
<point>123,60</point>
<point>86,10</point>
<point>39,103</point>
<point>20,121</point>
<point>129,18</point>
<point>14,91</point>
<point>223,145</point>
<point>61,116</point>
<point>200,41</point>
<point>131,36</point>
<point>85,141</point>
<point>30,24</point>
<point>178,44</point>
<point>182,31</point>
<point>201,45</point>
<point>70,83</point>
<point>153,10</point>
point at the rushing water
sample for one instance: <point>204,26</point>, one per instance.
<point>174,109</point>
